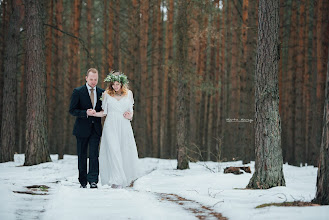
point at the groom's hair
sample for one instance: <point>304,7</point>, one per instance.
<point>91,70</point>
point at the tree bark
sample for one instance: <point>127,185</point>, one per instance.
<point>246,130</point>
<point>299,132</point>
<point>107,39</point>
<point>74,69</point>
<point>234,79</point>
<point>58,128</point>
<point>288,125</point>
<point>73,76</point>
<point>227,139</point>
<point>90,31</point>
<point>9,120</point>
<point>164,95</point>
<point>322,185</point>
<point>49,56</point>
<point>307,90</point>
<point>322,27</point>
<point>36,117</point>
<point>223,101</point>
<point>145,117</point>
<point>156,68</point>
<point>182,44</point>
<point>268,163</point>
<point>5,6</point>
<point>313,151</point>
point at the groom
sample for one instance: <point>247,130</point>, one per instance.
<point>85,101</point>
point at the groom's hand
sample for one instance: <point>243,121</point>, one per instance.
<point>91,112</point>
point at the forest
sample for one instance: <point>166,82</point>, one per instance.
<point>215,80</point>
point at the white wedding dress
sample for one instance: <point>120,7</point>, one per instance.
<point>118,157</point>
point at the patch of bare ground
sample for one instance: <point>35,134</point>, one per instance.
<point>35,190</point>
<point>202,212</point>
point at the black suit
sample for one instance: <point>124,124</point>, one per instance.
<point>87,130</point>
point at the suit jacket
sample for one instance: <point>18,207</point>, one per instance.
<point>80,102</point>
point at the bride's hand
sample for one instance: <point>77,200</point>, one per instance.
<point>127,115</point>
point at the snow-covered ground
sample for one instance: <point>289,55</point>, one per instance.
<point>201,189</point>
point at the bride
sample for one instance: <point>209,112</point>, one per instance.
<point>118,160</point>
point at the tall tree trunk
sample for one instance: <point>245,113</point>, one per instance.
<point>157,39</point>
<point>145,120</point>
<point>36,117</point>
<point>74,70</point>
<point>216,106</point>
<point>49,53</point>
<point>322,185</point>
<point>73,77</point>
<point>59,79</point>
<point>5,6</point>
<point>116,39</point>
<point>9,125</point>
<point>307,89</point>
<point>246,129</point>
<point>222,112</point>
<point>322,27</point>
<point>210,117</point>
<point>182,44</point>
<point>22,103</point>
<point>194,57</point>
<point>285,14</point>
<point>90,31</point>
<point>289,125</point>
<point>164,94</point>
<point>299,107</point>
<point>135,73</point>
<point>107,39</point>
<point>227,139</point>
<point>250,80</point>
<point>234,79</point>
<point>200,96</point>
<point>268,164</point>
<point>313,150</point>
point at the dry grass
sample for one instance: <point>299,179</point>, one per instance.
<point>294,203</point>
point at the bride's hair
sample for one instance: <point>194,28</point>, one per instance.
<point>111,91</point>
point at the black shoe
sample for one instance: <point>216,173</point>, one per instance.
<point>83,186</point>
<point>93,185</point>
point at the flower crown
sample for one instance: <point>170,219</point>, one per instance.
<point>121,78</point>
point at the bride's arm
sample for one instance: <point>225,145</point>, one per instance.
<point>99,114</point>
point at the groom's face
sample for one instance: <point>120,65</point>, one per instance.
<point>92,79</point>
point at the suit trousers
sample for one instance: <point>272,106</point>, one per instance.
<point>82,148</point>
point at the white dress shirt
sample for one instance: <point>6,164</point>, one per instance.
<point>95,94</point>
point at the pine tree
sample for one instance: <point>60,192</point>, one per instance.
<point>181,61</point>
<point>36,117</point>
<point>9,119</point>
<point>268,163</point>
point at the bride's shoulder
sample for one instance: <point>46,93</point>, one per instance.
<point>104,94</point>
<point>130,93</point>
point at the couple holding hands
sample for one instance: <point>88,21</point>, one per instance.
<point>117,160</point>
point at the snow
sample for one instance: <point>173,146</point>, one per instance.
<point>203,185</point>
